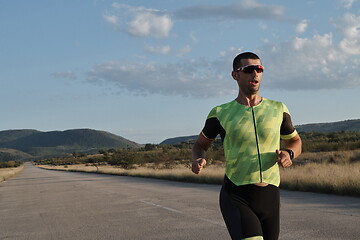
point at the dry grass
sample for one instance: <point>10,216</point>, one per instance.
<point>338,157</point>
<point>6,173</point>
<point>336,172</point>
<point>330,172</point>
<point>342,179</point>
<point>213,174</point>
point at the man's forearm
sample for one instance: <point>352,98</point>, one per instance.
<point>295,145</point>
<point>198,152</point>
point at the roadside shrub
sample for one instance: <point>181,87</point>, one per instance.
<point>10,164</point>
<point>123,158</point>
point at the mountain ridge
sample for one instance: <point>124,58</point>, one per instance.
<point>345,125</point>
<point>30,143</point>
<point>41,144</point>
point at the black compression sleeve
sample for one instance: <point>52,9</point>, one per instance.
<point>286,125</point>
<point>212,128</point>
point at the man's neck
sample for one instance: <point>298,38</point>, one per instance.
<point>250,100</point>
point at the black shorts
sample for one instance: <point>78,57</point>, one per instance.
<point>250,211</point>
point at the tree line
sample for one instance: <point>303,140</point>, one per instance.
<point>168,156</point>
<point>325,142</point>
<point>8,160</point>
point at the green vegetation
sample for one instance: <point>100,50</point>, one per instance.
<point>334,169</point>
<point>324,142</point>
<point>5,157</point>
<point>332,127</point>
<point>8,160</point>
<point>10,164</point>
<point>158,156</point>
<point>12,135</point>
<point>167,156</point>
<point>34,144</point>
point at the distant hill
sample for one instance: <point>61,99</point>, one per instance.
<point>8,154</point>
<point>347,125</point>
<point>11,135</point>
<point>176,140</point>
<point>40,144</point>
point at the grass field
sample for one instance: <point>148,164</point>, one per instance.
<point>6,173</point>
<point>341,179</point>
<point>330,172</point>
<point>212,174</point>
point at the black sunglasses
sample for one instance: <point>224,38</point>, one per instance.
<point>251,68</point>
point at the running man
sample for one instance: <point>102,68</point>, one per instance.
<point>250,128</point>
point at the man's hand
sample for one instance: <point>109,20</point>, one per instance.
<point>283,158</point>
<point>198,164</point>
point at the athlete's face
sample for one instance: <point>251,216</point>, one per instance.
<point>249,83</point>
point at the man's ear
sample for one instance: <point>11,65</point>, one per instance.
<point>234,74</point>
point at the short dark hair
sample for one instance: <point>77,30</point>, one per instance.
<point>244,55</point>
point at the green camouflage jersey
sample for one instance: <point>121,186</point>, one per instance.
<point>250,138</point>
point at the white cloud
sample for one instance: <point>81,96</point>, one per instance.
<point>194,39</point>
<point>351,46</point>
<point>142,22</point>
<point>112,19</point>
<point>158,50</point>
<point>300,64</point>
<point>301,27</point>
<point>348,3</point>
<point>184,50</point>
<point>317,62</point>
<point>263,25</point>
<point>309,63</point>
<point>349,26</point>
<point>150,24</point>
<point>245,9</point>
<point>195,78</point>
<point>64,75</point>
<point>229,53</point>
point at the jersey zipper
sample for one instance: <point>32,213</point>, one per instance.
<point>257,141</point>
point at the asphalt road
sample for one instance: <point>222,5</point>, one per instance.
<point>44,204</point>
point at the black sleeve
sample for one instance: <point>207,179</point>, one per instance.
<point>213,128</point>
<point>286,125</point>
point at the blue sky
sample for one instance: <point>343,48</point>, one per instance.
<point>151,70</point>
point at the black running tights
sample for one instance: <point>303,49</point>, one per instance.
<point>250,211</point>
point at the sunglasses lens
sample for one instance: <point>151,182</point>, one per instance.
<point>250,69</point>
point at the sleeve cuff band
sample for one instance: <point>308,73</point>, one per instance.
<point>289,136</point>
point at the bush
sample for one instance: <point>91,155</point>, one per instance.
<point>125,159</point>
<point>10,164</point>
<point>335,141</point>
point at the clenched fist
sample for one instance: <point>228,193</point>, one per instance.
<point>197,165</point>
<point>284,159</point>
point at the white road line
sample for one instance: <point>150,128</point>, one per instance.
<point>177,211</point>
<point>212,222</point>
<point>163,207</point>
